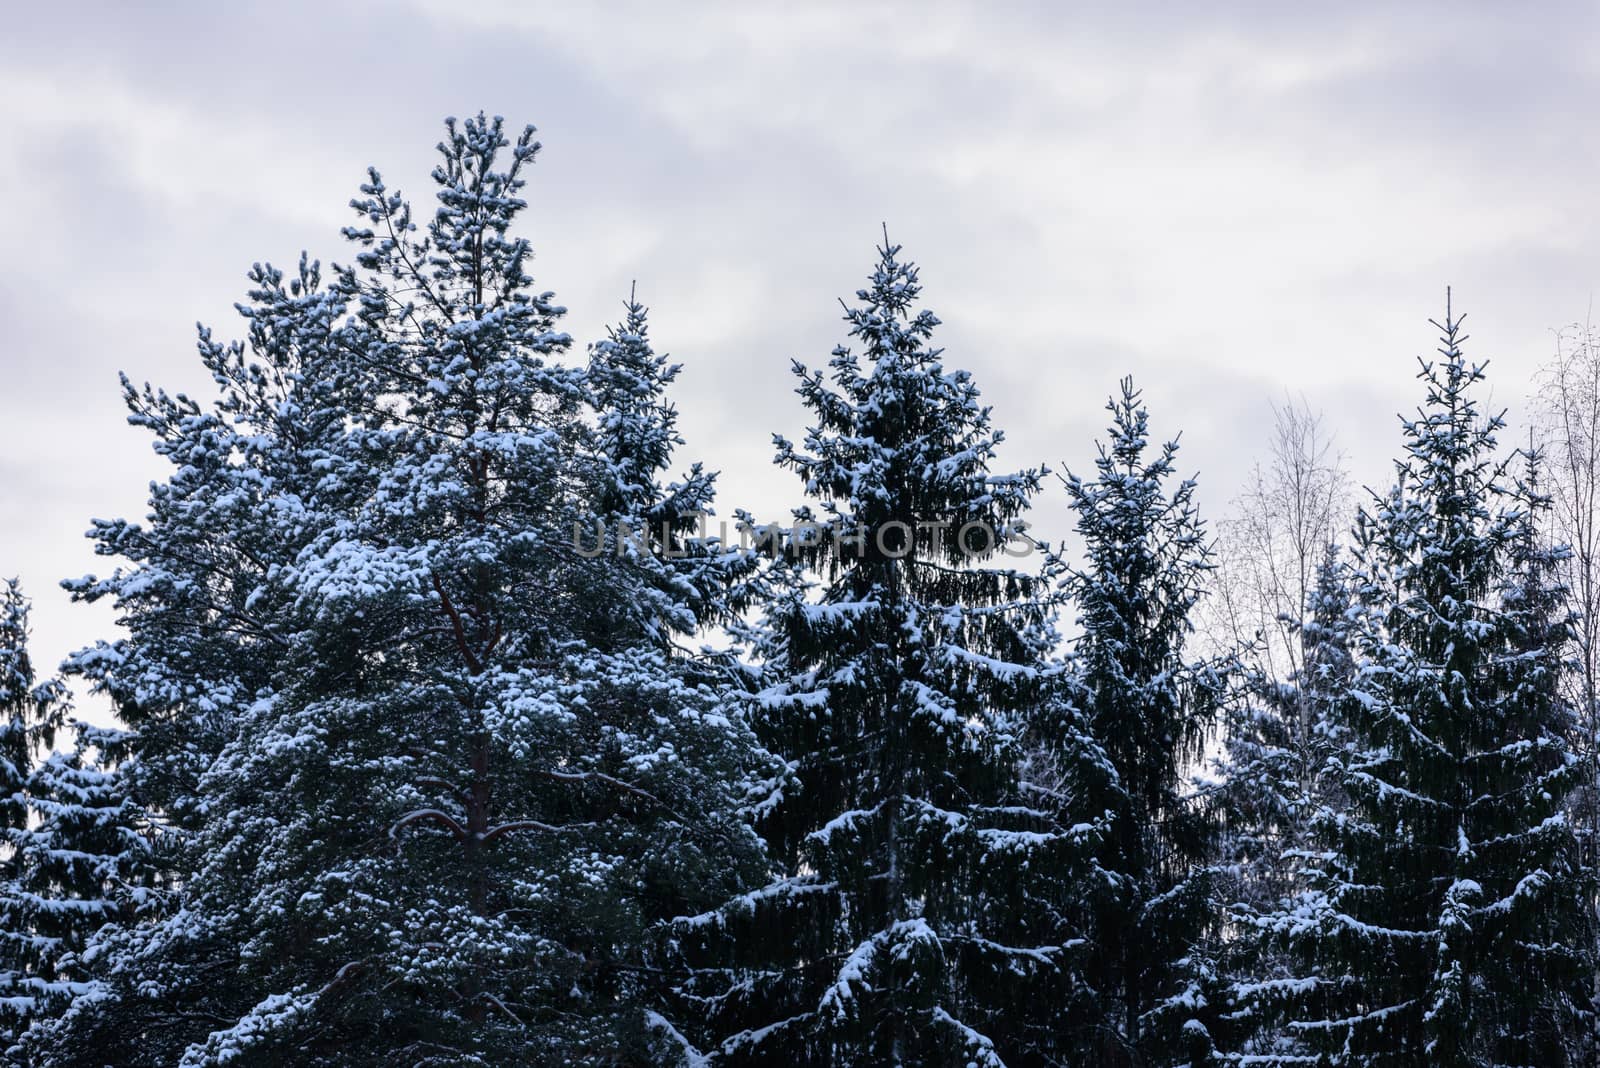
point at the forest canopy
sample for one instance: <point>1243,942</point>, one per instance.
<point>457,724</point>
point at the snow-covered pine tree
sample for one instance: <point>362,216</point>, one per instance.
<point>193,590</point>
<point>1446,924</point>
<point>473,771</point>
<point>1147,709</point>
<point>208,625</point>
<point>210,629</point>
<point>72,849</point>
<point>900,927</point>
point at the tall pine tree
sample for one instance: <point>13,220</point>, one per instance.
<point>474,771</point>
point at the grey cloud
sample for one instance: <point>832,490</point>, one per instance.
<point>1227,202</point>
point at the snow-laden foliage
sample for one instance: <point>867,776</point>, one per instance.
<point>1278,602</point>
<point>1445,921</point>
<point>423,762</point>
<point>73,854</point>
<point>1276,772</point>
<point>433,773</point>
<point>1279,735</point>
<point>1137,712</point>
<point>903,924</point>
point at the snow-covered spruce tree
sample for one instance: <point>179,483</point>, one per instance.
<point>1270,776</point>
<point>72,849</point>
<point>34,712</point>
<point>1274,773</point>
<point>901,927</point>
<point>475,772</point>
<point>635,514</point>
<point>1446,924</point>
<point>1293,778</point>
<point>1147,709</point>
<point>1326,634</point>
<point>1278,775</point>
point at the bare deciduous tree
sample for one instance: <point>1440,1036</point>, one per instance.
<point>1567,415</point>
<point>1294,505</point>
<point>1271,548</point>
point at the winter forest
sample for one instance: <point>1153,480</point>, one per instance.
<point>460,724</point>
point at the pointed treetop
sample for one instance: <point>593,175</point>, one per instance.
<point>893,288</point>
<point>15,672</point>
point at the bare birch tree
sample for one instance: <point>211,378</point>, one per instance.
<point>1567,416</point>
<point>1273,547</point>
<point>1294,505</point>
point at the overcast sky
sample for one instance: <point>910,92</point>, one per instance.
<point>1230,206</point>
